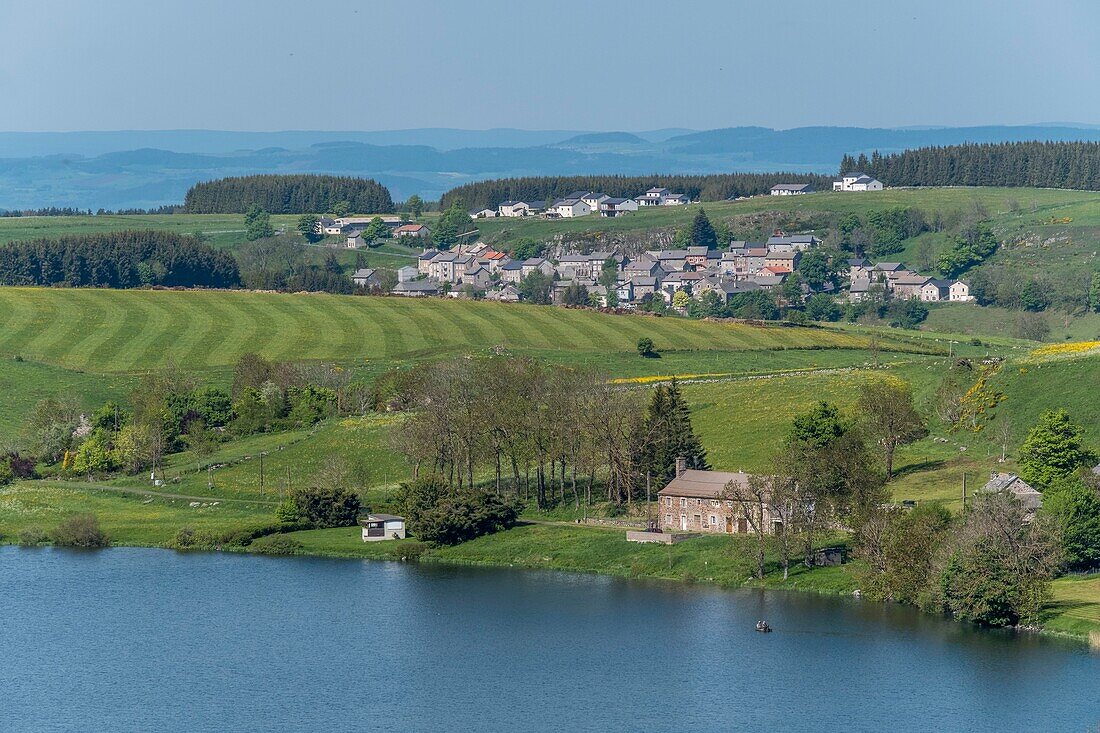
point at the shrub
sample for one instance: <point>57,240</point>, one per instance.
<point>188,538</point>
<point>442,517</point>
<point>645,347</point>
<point>328,507</point>
<point>278,544</point>
<point>33,537</point>
<point>80,531</point>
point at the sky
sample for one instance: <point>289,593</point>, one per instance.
<point>637,65</point>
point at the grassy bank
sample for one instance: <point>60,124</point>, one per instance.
<point>141,519</point>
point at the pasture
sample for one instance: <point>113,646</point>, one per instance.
<point>107,331</point>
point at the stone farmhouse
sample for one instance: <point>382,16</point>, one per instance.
<point>901,282</point>
<point>1027,495</point>
<point>698,501</point>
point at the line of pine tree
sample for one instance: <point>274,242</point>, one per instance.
<point>118,260</point>
<point>288,194</point>
<point>1073,165</point>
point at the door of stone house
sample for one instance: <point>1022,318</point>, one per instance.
<point>742,526</point>
<point>729,525</point>
<point>683,522</point>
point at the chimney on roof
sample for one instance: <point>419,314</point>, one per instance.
<point>681,466</point>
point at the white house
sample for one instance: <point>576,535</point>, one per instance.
<point>675,199</point>
<point>617,206</point>
<point>594,200</point>
<point>959,292</point>
<point>569,208</point>
<point>857,182</point>
<point>485,213</point>
<point>521,208</point>
<point>406,273</point>
<point>791,189</point>
<point>653,197</point>
<point>379,527</point>
<point>512,208</point>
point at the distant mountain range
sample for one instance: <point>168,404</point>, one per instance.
<point>141,169</point>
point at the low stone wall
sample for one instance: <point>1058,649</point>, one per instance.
<point>664,538</point>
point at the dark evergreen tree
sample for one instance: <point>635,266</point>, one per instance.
<point>702,233</point>
<point>667,434</point>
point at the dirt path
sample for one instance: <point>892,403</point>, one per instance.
<point>162,494</point>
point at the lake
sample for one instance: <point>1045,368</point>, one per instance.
<point>151,640</point>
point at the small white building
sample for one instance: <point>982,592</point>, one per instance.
<point>379,527</point>
<point>485,213</point>
<point>407,273</point>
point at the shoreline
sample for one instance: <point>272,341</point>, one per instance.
<point>835,581</point>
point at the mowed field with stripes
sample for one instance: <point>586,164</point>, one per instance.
<point>117,331</point>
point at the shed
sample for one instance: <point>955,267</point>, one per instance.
<point>379,527</point>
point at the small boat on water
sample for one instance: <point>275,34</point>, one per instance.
<point>763,627</point>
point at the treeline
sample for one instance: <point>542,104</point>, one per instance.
<point>170,410</point>
<point>543,432</point>
<point>288,194</point>
<point>118,260</point>
<point>69,211</point>
<point>1033,164</point>
<point>716,187</point>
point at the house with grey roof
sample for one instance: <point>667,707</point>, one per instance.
<point>611,207</point>
<point>791,189</point>
<point>512,272</point>
<point>365,277</point>
<point>1031,498</point>
<point>417,289</point>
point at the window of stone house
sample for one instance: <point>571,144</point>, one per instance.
<point>698,520</point>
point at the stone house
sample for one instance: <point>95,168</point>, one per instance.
<point>1031,498</point>
<point>697,501</point>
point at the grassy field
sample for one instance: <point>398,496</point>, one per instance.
<point>128,518</point>
<point>124,331</point>
<point>223,231</point>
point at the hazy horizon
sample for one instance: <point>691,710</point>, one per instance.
<point>336,65</point>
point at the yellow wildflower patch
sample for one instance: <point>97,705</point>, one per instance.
<point>1071,349</point>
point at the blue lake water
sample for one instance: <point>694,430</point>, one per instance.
<point>150,640</point>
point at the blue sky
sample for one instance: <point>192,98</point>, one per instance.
<point>637,65</point>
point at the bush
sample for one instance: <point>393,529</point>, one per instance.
<point>441,517</point>
<point>33,537</point>
<point>80,531</point>
<point>329,507</point>
<point>278,544</point>
<point>188,538</point>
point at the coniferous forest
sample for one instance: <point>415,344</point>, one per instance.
<point>716,187</point>
<point>288,194</point>
<point>1033,164</point>
<point>118,260</point>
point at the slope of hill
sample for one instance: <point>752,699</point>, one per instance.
<point>110,331</point>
